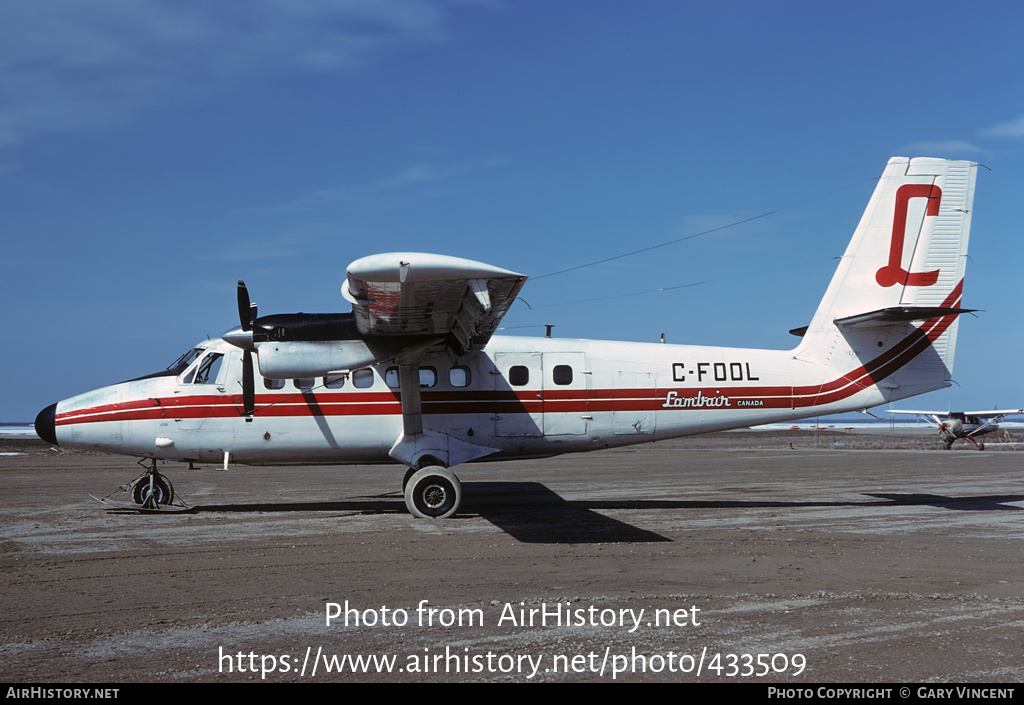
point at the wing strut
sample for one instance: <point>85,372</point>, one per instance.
<point>417,447</point>
<point>412,403</point>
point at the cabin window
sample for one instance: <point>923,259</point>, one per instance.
<point>562,374</point>
<point>304,382</point>
<point>334,381</point>
<point>460,376</point>
<point>362,378</point>
<point>519,375</point>
<point>273,383</point>
<point>428,377</point>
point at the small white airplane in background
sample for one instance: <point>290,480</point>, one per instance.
<point>414,375</point>
<point>963,424</point>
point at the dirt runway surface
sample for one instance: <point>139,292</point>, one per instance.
<point>710,560</point>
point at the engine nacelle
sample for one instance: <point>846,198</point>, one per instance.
<point>292,360</point>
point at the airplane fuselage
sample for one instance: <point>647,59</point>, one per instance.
<point>522,397</point>
<point>972,426</point>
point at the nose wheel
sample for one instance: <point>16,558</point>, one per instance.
<point>151,490</point>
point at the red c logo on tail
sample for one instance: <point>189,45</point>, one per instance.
<point>894,273</point>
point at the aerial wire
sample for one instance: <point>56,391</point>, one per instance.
<point>654,247</point>
<point>690,284</point>
<point>815,198</point>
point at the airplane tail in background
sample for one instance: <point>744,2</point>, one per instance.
<point>895,297</point>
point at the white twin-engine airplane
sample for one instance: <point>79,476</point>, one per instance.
<point>414,374</point>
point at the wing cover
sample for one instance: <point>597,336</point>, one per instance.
<point>412,293</point>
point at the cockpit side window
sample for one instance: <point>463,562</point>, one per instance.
<point>206,371</point>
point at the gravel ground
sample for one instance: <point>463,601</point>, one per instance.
<point>722,558</point>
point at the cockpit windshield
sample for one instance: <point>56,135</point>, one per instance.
<point>182,363</point>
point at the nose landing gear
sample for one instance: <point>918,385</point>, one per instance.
<point>150,492</point>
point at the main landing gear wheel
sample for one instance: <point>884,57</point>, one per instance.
<point>433,493</point>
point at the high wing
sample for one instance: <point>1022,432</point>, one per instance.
<point>420,294</point>
<point>403,304</point>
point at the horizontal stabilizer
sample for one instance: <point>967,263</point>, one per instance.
<point>898,314</point>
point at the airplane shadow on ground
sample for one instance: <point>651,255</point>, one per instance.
<point>981,503</point>
<point>532,513</point>
<point>527,511</point>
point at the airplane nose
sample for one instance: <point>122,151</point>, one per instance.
<point>46,424</point>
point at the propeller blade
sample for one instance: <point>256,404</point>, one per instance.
<point>248,386</point>
<point>248,333</point>
<point>245,312</point>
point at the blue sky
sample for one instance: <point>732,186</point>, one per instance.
<point>153,153</point>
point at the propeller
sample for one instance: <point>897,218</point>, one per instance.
<point>247,317</point>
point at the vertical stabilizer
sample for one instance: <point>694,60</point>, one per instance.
<point>893,302</point>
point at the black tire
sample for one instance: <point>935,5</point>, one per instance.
<point>433,493</point>
<point>163,491</point>
<point>408,476</point>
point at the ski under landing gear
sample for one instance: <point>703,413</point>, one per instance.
<point>948,439</point>
<point>432,492</point>
<point>150,492</point>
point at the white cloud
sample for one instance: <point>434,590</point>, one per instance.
<point>940,148</point>
<point>67,65</point>
<point>1010,128</point>
<point>276,246</point>
<point>418,175</point>
<point>397,185</point>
